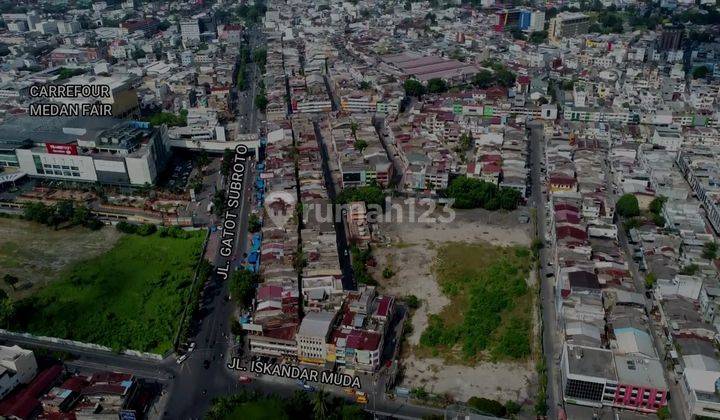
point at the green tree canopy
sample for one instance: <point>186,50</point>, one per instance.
<point>628,206</point>
<point>242,286</point>
<point>413,87</point>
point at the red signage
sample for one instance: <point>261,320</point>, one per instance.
<point>61,149</point>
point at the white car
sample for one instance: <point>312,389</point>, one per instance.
<point>182,359</point>
<point>192,347</point>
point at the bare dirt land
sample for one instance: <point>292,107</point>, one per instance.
<point>411,251</point>
<point>36,254</point>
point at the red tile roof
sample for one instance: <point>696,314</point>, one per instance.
<point>571,231</point>
<point>23,403</point>
<point>384,306</point>
<point>363,340</point>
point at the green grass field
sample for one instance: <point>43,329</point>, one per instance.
<point>129,297</point>
<point>491,307</point>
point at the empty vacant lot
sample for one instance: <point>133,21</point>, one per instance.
<point>37,254</point>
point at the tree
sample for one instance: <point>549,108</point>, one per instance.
<point>505,77</point>
<point>663,413</point>
<point>650,280</point>
<point>657,204</point>
<point>261,102</point>
<point>7,311</point>
<point>364,85</point>
<point>387,273</point>
<point>320,404</point>
<point>299,260</point>
<point>437,86</point>
<point>413,88</point>
<point>689,270</point>
<point>627,206</point>
<point>483,79</point>
<point>419,393</point>
<point>466,141</point>
<point>81,216</point>
<point>700,72</point>
<point>710,250</point>
<point>370,194</point>
<point>11,280</point>
<point>219,202</point>
<point>203,160</point>
<point>487,406</point>
<point>538,37</point>
<point>227,160</point>
<point>412,301</point>
<point>260,57</point>
<point>66,73</point>
<point>509,198</point>
<point>512,407</point>
<point>242,286</point>
<point>360,145</point>
<point>254,224</point>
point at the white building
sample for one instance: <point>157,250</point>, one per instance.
<point>667,137</point>
<point>312,337</point>
<point>537,21</point>
<point>588,375</point>
<point>17,26</point>
<point>700,389</point>
<point>105,150</point>
<point>66,28</point>
<point>190,31</point>
<point>17,366</point>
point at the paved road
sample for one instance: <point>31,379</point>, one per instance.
<point>247,114</point>
<point>550,337</point>
<point>348,279</point>
<point>399,408</point>
<point>204,374</point>
<point>677,401</point>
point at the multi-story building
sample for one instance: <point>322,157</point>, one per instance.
<point>104,150</point>
<point>190,31</point>
<point>312,337</point>
<point>568,24</point>
<point>17,366</point>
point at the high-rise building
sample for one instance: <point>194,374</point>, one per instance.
<point>671,38</point>
<point>568,24</point>
<point>537,21</point>
<point>190,31</point>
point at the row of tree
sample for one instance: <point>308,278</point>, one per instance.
<point>300,406</point>
<point>64,212</point>
<point>370,194</point>
<point>168,118</point>
<point>470,193</point>
<point>242,286</point>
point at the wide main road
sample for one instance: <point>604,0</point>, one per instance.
<point>204,374</point>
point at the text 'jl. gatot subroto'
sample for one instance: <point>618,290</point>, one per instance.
<point>72,101</point>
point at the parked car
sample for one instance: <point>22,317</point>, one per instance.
<point>361,397</point>
<point>182,359</point>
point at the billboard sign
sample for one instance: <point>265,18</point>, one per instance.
<point>61,149</point>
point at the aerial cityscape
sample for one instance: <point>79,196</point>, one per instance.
<point>360,209</point>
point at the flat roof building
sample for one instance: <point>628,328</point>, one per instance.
<point>105,150</point>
